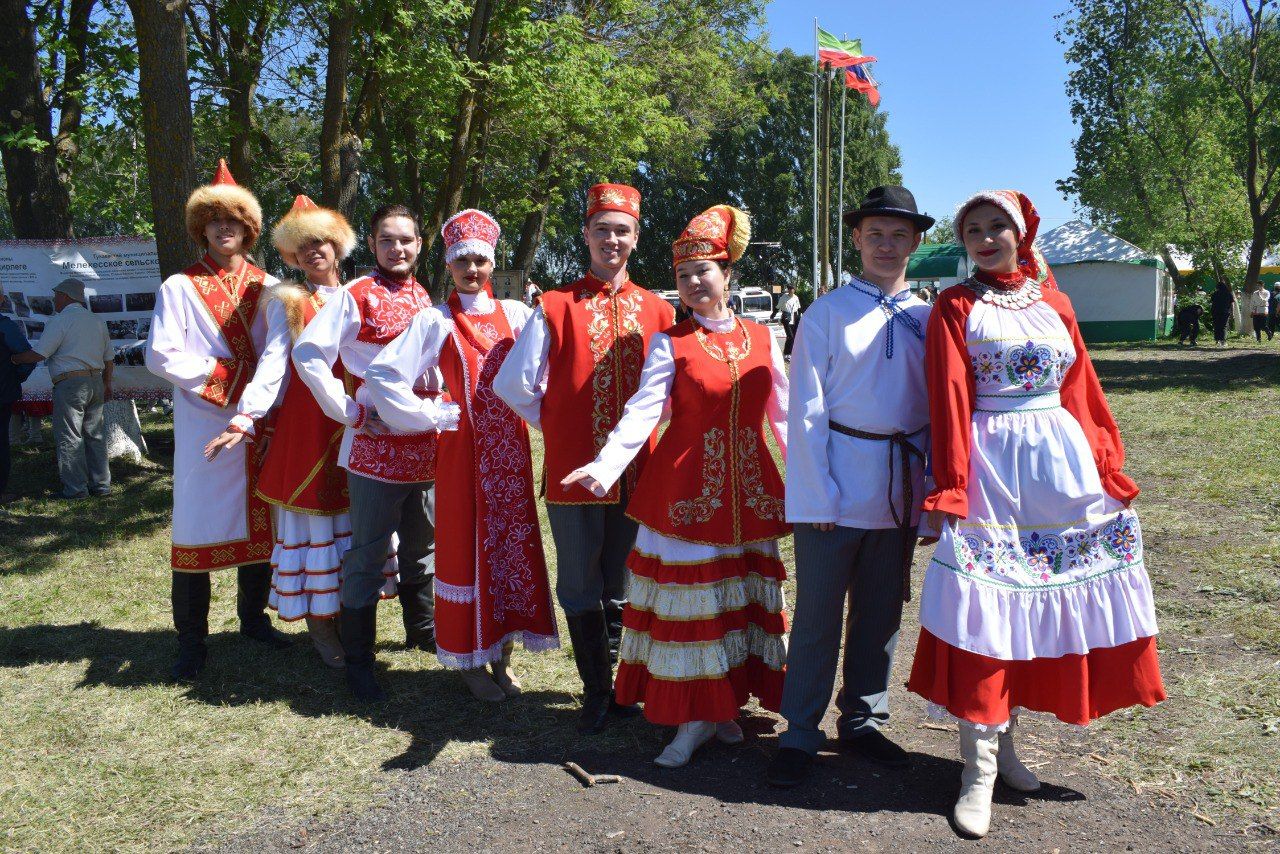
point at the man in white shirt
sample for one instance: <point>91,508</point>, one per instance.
<point>789,308</point>
<point>77,348</point>
<point>855,478</point>
<point>1259,305</point>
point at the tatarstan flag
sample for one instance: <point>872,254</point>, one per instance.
<point>839,53</point>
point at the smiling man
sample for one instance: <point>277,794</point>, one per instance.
<point>391,476</point>
<point>570,374</point>
<point>855,479</point>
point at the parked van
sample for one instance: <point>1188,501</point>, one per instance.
<point>755,303</point>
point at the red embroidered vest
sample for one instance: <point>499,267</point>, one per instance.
<point>300,471</point>
<point>599,341</point>
<point>232,301</point>
<point>386,310</point>
<point>712,478</point>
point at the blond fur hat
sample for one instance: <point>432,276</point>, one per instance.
<point>223,196</point>
<point>307,221</point>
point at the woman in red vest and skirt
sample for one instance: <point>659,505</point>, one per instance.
<point>704,627</point>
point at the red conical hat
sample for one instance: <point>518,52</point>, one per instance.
<point>303,203</point>
<point>223,175</point>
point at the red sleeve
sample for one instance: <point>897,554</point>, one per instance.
<point>1082,396</point>
<point>949,375</point>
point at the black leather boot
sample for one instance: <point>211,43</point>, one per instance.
<point>359,629</point>
<point>253,587</point>
<point>613,623</point>
<point>590,641</point>
<point>418,605</point>
<point>190,597</point>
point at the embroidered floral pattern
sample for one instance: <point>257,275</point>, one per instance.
<point>616,338</point>
<point>700,509</point>
<point>988,366</point>
<point>387,311</point>
<point>1039,558</point>
<point>756,498</point>
<point>1030,365</point>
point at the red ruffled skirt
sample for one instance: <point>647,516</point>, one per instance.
<point>705,630</point>
<point>1075,689</point>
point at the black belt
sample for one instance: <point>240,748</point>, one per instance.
<point>906,451</point>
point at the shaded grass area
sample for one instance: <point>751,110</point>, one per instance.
<point>101,753</point>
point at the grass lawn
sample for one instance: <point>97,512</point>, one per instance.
<point>101,753</point>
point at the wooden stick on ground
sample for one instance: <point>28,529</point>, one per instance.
<point>577,771</point>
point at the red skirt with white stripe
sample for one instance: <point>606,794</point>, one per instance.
<point>704,630</point>
<point>1075,689</point>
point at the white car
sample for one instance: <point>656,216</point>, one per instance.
<point>755,303</point>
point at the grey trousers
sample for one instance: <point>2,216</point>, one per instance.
<point>379,510</point>
<point>866,568</point>
<point>592,543</point>
<point>80,437</point>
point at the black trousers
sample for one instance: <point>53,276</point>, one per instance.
<point>1260,326</point>
<point>789,329</point>
<point>1220,327</point>
<point>1189,330</point>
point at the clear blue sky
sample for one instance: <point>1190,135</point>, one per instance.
<point>974,91</point>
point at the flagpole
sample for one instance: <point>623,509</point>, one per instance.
<point>814,281</point>
<point>844,91</point>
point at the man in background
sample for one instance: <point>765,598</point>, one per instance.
<point>1259,310</point>
<point>789,308</point>
<point>1189,322</point>
<point>12,343</point>
<point>77,348</point>
<point>1221,303</point>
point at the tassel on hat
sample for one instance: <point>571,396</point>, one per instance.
<point>720,233</point>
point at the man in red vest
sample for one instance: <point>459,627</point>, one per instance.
<point>570,374</point>
<point>206,335</point>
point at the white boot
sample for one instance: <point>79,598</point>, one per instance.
<point>1014,774</point>
<point>973,808</point>
<point>728,732</point>
<point>689,737</point>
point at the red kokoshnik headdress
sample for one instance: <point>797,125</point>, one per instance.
<point>1022,213</point>
<point>719,233</point>
<point>470,232</point>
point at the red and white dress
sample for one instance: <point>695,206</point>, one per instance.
<point>300,475</point>
<point>491,584</point>
<point>704,626</point>
<point>1038,597</point>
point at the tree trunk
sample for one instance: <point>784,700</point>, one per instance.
<point>477,156</point>
<point>531,230</point>
<point>39,203</point>
<point>165,93</point>
<point>450,195</point>
<point>70,105</point>
<point>1171,267</point>
<point>334,141</point>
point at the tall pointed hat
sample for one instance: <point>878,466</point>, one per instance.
<point>306,221</point>
<point>223,197</point>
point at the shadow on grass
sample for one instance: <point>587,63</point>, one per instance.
<point>1225,373</point>
<point>433,708</point>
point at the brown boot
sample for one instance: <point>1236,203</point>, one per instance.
<point>324,637</point>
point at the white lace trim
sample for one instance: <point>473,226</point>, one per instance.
<point>455,592</point>
<point>472,660</point>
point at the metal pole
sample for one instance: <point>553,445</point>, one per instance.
<point>844,91</point>
<point>825,226</point>
<point>814,280</point>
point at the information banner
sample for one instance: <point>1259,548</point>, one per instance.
<point>121,276</point>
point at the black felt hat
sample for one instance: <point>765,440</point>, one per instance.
<point>889,201</point>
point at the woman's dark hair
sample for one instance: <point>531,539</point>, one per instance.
<point>387,211</point>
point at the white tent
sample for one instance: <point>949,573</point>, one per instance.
<point>1120,292</point>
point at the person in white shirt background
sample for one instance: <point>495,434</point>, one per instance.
<point>77,347</point>
<point>1259,305</point>
<point>858,428</point>
<point>789,308</point>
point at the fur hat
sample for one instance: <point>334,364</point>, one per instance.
<point>307,221</point>
<point>720,233</point>
<point>223,197</point>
